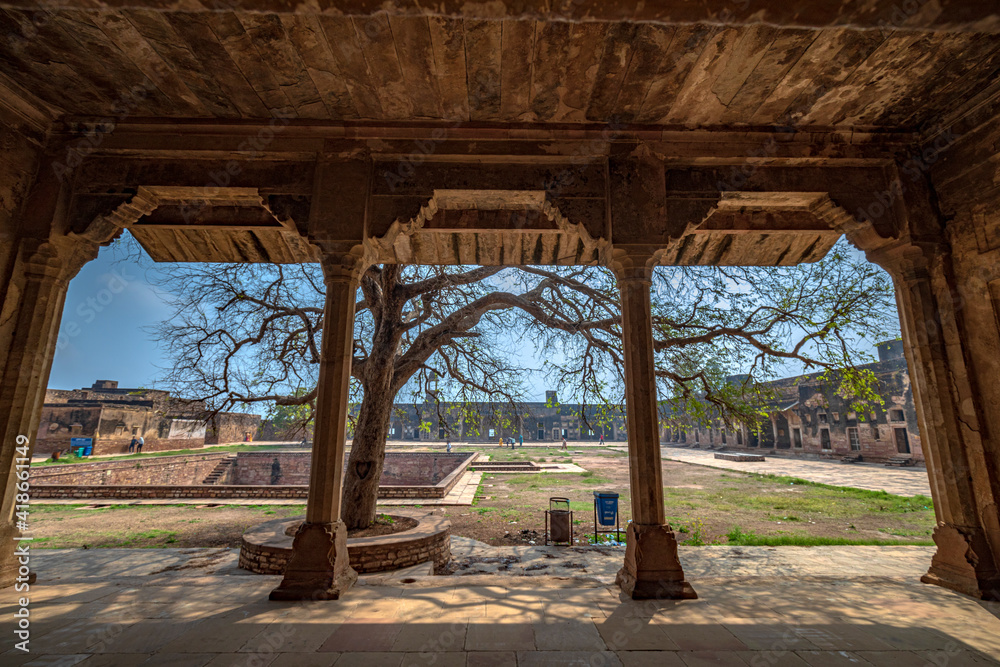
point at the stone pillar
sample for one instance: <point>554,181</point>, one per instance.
<point>32,308</point>
<point>319,568</point>
<point>962,461</point>
<point>652,569</point>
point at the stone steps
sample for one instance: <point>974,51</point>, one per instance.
<point>900,461</point>
<point>220,469</point>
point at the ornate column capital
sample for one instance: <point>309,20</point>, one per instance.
<point>41,259</point>
<point>634,264</point>
<point>343,261</point>
<point>908,261</point>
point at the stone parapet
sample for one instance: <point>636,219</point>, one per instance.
<point>266,548</point>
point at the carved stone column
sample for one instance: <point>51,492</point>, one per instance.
<point>959,464</point>
<point>652,569</point>
<point>32,309</point>
<point>319,568</point>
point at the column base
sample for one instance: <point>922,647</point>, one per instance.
<point>652,570</point>
<point>319,568</point>
<point>9,577</point>
<point>10,565</point>
<point>963,563</point>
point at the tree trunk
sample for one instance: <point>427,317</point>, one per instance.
<point>364,466</point>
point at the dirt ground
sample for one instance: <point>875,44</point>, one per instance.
<point>704,504</point>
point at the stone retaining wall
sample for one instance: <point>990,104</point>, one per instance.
<point>182,470</point>
<point>267,548</point>
<point>250,476</point>
<point>104,446</point>
<point>258,468</point>
<point>207,491</point>
<point>166,492</point>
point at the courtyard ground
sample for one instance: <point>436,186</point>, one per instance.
<point>706,505</point>
<point>757,606</point>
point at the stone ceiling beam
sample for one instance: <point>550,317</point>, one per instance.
<point>954,15</point>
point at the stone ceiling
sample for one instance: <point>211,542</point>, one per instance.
<point>864,71</point>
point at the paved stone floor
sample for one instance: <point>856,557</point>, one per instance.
<point>758,606</point>
<point>875,477</point>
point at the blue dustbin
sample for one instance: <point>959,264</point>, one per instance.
<point>607,507</point>
<point>82,446</point>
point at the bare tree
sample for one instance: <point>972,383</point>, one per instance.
<point>246,334</point>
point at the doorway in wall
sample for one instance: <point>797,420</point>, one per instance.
<point>902,440</point>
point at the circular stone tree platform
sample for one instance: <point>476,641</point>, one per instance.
<point>265,549</point>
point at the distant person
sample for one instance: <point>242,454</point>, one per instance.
<point>564,442</point>
<point>520,439</point>
<point>138,445</point>
<point>602,438</point>
<point>448,446</point>
<point>500,443</point>
<point>131,445</point>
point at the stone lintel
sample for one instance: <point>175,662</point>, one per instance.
<point>950,15</point>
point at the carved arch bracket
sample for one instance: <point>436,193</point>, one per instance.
<point>532,230</point>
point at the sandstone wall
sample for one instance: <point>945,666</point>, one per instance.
<point>403,469</point>
<point>258,468</point>
<point>232,427</point>
<point>419,468</point>
<point>179,470</point>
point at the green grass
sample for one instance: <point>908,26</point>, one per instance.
<point>739,537</point>
<point>553,480</point>
<point>807,499</point>
<point>903,532</point>
<point>161,538</point>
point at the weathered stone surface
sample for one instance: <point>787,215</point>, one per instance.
<point>683,133</point>
<point>319,568</point>
<point>652,570</point>
<point>267,548</point>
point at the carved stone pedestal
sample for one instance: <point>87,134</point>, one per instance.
<point>958,565</point>
<point>652,570</point>
<point>319,568</point>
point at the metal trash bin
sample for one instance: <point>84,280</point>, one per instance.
<point>606,514</point>
<point>81,446</point>
<point>559,522</point>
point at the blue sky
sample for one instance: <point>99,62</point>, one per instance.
<point>110,306</point>
<point>101,336</point>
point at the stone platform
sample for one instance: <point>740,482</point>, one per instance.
<point>738,456</point>
<point>770,606</point>
<point>266,548</point>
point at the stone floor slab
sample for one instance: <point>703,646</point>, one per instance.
<point>499,637</point>
<point>753,605</point>
<point>362,635</point>
<point>568,659</point>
